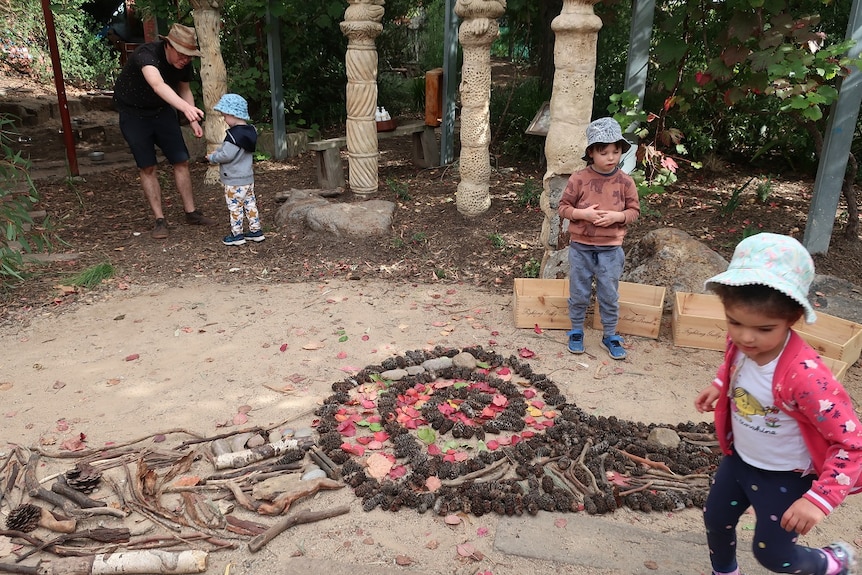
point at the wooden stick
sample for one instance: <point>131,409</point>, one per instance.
<point>60,487</point>
<point>305,516</point>
<point>647,462</point>
<point>6,568</point>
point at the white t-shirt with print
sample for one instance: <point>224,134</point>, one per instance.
<point>763,435</point>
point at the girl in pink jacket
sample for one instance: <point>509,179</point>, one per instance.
<point>791,438</point>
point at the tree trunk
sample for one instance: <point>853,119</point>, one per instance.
<point>207,15</point>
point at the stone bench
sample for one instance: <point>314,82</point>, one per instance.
<point>327,153</point>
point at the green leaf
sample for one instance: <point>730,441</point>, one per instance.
<point>363,423</point>
<point>426,435</point>
<point>813,113</point>
<point>483,365</point>
<point>375,427</point>
<point>460,384</point>
<point>342,339</point>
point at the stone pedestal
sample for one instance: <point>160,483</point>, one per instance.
<point>576,30</point>
<point>477,32</point>
<point>362,25</point>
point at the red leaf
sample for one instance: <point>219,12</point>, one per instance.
<point>526,353</point>
<point>398,472</point>
<point>537,329</point>
<point>132,357</point>
<point>434,450</point>
<point>283,347</point>
<point>364,440</point>
<point>353,449</point>
<point>341,354</point>
<point>365,337</point>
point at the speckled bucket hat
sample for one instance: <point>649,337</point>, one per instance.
<point>184,40</point>
<point>233,104</point>
<point>775,261</point>
<point>605,131</point>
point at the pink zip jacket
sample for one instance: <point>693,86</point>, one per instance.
<point>804,388</point>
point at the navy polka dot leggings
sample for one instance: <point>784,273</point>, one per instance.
<point>737,486</point>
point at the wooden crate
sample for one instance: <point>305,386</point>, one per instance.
<point>698,321</point>
<point>542,302</point>
<point>833,337</point>
<point>641,307</point>
<point>838,367</point>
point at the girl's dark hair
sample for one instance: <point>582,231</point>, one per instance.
<point>765,299</point>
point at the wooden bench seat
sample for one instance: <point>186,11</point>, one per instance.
<point>327,153</point>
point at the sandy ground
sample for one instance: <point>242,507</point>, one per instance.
<point>137,361</point>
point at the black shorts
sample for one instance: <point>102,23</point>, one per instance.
<point>144,131</point>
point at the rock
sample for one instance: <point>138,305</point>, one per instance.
<point>361,219</point>
<point>671,258</point>
<point>415,369</point>
<point>437,364</point>
<point>464,359</point>
<point>394,374</point>
<point>837,297</point>
<point>664,437</point>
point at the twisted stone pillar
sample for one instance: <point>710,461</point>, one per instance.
<point>362,25</point>
<point>576,28</point>
<point>477,32</point>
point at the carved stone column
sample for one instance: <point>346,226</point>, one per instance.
<point>576,28</point>
<point>362,25</point>
<point>477,32</point>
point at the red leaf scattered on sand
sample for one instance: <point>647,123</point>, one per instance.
<point>283,347</point>
<point>526,353</point>
<point>492,444</point>
<point>341,354</point>
<point>353,449</point>
<point>560,523</point>
<point>365,337</point>
<point>240,419</point>
<point>364,440</point>
<point>75,443</point>
<point>132,357</point>
<point>62,425</point>
<point>433,483</point>
<point>537,329</point>
<point>434,450</point>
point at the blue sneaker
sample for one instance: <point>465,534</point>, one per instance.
<point>614,345</point>
<point>844,555</point>
<point>576,341</point>
<point>236,240</point>
<point>254,236</point>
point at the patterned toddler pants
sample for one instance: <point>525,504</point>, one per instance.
<point>737,486</point>
<point>242,203</point>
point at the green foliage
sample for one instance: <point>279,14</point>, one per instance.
<point>86,60</point>
<point>93,276</point>
<point>532,268</point>
<point>763,190</point>
<point>498,241</point>
<point>400,95</point>
<point>735,199</point>
<point>513,106</point>
<point>419,238</point>
<point>399,188</point>
<point>529,194</point>
<point>658,153</point>
<point>18,196</point>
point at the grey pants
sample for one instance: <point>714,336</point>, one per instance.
<point>605,264</point>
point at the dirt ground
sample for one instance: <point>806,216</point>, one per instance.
<point>193,339</point>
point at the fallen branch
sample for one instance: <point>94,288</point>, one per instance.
<point>647,462</point>
<point>476,474</point>
<point>286,523</point>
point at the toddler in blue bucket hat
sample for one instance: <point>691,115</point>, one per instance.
<point>791,440</point>
<point>235,157</point>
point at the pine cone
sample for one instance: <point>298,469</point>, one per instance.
<point>83,478</point>
<point>24,518</point>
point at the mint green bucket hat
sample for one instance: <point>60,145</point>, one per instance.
<point>775,261</point>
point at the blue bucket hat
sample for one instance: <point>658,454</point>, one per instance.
<point>605,131</point>
<point>233,104</point>
<point>775,261</point>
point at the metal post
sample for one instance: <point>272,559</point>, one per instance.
<point>273,45</point>
<point>836,147</point>
<point>450,82</point>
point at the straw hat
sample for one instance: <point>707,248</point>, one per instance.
<point>184,40</point>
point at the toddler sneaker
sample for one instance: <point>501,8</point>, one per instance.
<point>254,236</point>
<point>576,341</point>
<point>236,240</point>
<point>614,345</point>
<point>844,554</point>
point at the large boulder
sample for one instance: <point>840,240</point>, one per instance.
<point>309,209</point>
<point>671,258</point>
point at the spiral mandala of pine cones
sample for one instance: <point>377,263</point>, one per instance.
<point>83,478</point>
<point>499,439</point>
<point>24,518</point>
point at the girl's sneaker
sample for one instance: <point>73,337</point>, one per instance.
<point>254,236</point>
<point>236,240</point>
<point>844,555</point>
<point>576,341</point>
